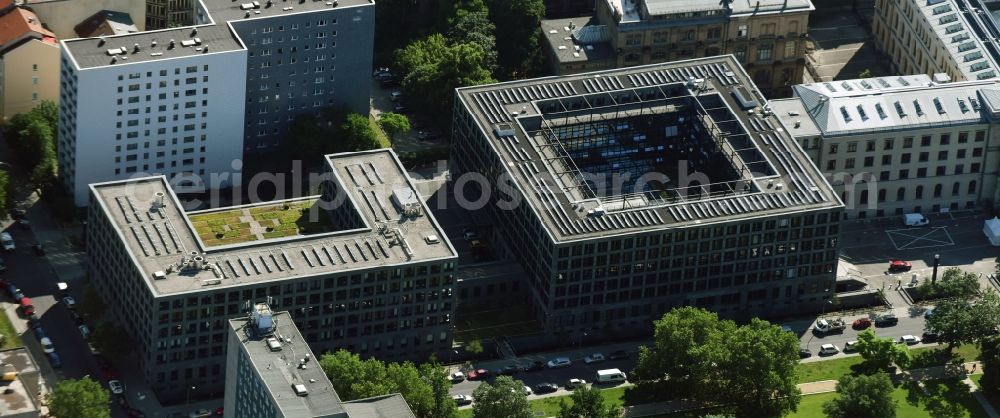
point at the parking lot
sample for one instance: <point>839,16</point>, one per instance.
<point>382,102</point>
<point>869,245</point>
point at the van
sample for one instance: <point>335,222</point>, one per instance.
<point>914,219</point>
<point>610,376</point>
<point>26,307</point>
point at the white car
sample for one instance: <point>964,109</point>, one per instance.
<point>828,349</point>
<point>575,383</point>
<point>461,400</point>
<point>70,302</point>
<point>559,362</point>
<point>594,358</point>
<point>457,377</point>
<point>7,240</point>
<point>116,387</point>
<point>527,391</point>
<point>909,340</point>
<point>47,346</point>
<point>851,346</point>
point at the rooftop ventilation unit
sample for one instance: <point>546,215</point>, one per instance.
<point>300,389</point>
<point>273,344</point>
<point>159,275</point>
<point>503,129</point>
<point>262,319</point>
<point>407,201</point>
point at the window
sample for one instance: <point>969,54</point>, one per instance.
<point>940,170</point>
<point>925,141</point>
<point>849,163</point>
<point>960,169</point>
<point>833,148</point>
<point>764,52</point>
<point>852,146</point>
<point>908,142</point>
<point>921,172</point>
<point>905,158</point>
<point>870,146</point>
<point>887,144</point>
<point>790,47</point>
<point>937,190</point>
<point>972,187</point>
<point>963,137</point>
<point>881,195</point>
<point>869,161</point>
<point>980,136</point>
<point>633,40</point>
<point>945,139</point>
<point>974,168</point>
<point>901,194</point>
<point>924,156</point>
<point>977,152</point>
<point>742,32</point>
<point>920,192</point>
<point>661,37</point>
<point>886,159</point>
<point>960,153</point>
<point>956,189</point>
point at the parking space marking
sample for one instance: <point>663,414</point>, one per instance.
<point>903,234</point>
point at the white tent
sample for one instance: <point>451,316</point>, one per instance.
<point>992,230</point>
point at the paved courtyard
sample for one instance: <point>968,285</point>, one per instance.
<point>842,45</point>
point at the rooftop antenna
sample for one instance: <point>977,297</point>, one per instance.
<point>171,45</point>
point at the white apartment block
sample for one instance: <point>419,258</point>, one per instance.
<point>895,145</point>
<point>190,101</point>
<point>952,37</point>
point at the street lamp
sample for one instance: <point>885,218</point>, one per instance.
<point>190,388</point>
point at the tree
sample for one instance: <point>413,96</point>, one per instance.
<point>866,73</point>
<point>433,68</point>
<point>475,27</point>
<point>32,137</point>
<point>505,398</point>
<point>865,396</point>
<point>394,124</point>
<point>990,349</point>
<point>588,403</point>
<point>880,353</point>
<point>518,43</point>
<point>958,321</point>
<point>750,370</point>
<point>83,398</point>
<point>759,374</point>
<point>474,347</point>
<point>425,389</point>
<point>359,133</point>
<point>4,202</point>
<point>111,339</point>
<point>954,283</point>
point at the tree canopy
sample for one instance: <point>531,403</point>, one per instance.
<point>587,402</point>
<point>880,353</point>
<point>749,370</point>
<point>864,396</point>
<point>424,388</point>
<point>505,398</point>
<point>82,398</point>
<point>32,136</point>
<point>961,321</point>
<point>518,43</point>
<point>333,130</point>
<point>394,124</point>
<point>954,283</point>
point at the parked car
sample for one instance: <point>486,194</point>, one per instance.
<point>54,360</point>
<point>396,95</point>
<point>477,374</point>
<point>534,367</point>
<point>508,370</point>
<point>47,346</point>
<point>930,337</point>
<point>527,390</point>
<point>594,358</point>
<point>828,350</point>
<point>461,400</point>
<point>618,355</point>
<point>84,331</point>
<point>457,377</point>
<point>928,313</point>
<point>542,388</point>
<point>558,362</point>
<point>896,266</point>
<point>15,292</point>
<point>575,383</point>
<point>861,323</point>
<point>70,302</point>
<point>886,320</point>
<point>379,71</point>
<point>805,353</point>
<point>851,346</point>
<point>7,241</point>
<point>77,319</point>
<point>39,331</point>
<point>117,387</point>
<point>909,340</point>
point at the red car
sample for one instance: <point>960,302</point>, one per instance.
<point>899,265</point>
<point>862,323</point>
<point>478,374</point>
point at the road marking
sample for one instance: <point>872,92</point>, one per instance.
<point>920,238</point>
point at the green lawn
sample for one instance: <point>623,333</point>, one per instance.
<point>549,407</point>
<point>922,357</point>
<point>11,339</point>
<point>383,140</point>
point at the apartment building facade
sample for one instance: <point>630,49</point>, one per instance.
<point>599,264</point>
<point>767,38</point>
<point>370,282</point>
<point>952,37</point>
<point>62,16</point>
<point>163,14</point>
<point>895,145</point>
<point>29,62</point>
<point>267,64</point>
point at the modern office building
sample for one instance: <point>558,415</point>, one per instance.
<point>767,37</point>
<point>272,373</point>
<point>163,14</point>
<point>364,266</point>
<point>188,102</point>
<point>29,62</point>
<point>895,145</point>
<point>62,16</point>
<point>625,193</point>
<point>953,37</point>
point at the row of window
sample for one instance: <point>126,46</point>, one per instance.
<point>901,194</point>
<point>925,141</point>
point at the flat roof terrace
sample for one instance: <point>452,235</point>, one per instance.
<point>723,114</point>
<point>380,222</point>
